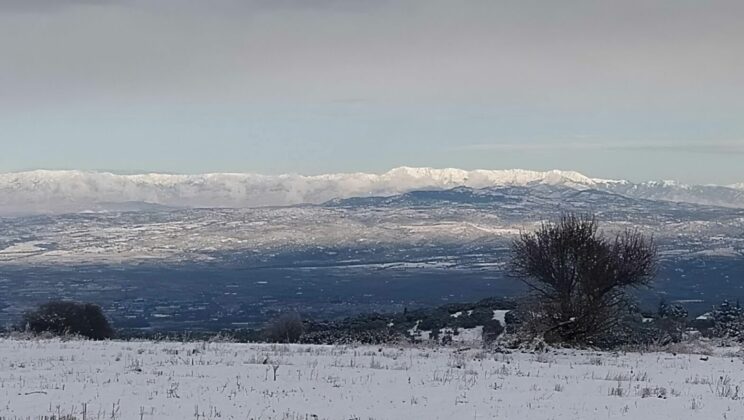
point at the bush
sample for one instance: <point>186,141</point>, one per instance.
<point>435,321</point>
<point>728,321</point>
<point>474,317</point>
<point>65,317</point>
<point>671,322</point>
<point>286,328</point>
<point>513,320</point>
<point>491,331</point>
<point>578,276</point>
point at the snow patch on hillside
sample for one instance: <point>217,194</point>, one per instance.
<point>500,315</point>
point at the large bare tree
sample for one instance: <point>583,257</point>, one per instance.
<point>579,276</point>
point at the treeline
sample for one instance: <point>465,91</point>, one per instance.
<point>668,323</point>
<point>88,320</point>
<point>368,328</point>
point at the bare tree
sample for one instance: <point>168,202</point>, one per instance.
<point>579,277</point>
<point>286,328</point>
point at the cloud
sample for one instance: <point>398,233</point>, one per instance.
<point>395,82</point>
<point>710,147</point>
<point>44,6</point>
<point>569,55</point>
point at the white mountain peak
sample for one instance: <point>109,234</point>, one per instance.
<point>45,191</point>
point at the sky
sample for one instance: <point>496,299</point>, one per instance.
<point>634,89</point>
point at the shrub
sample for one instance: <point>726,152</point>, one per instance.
<point>65,317</point>
<point>435,321</point>
<point>491,331</point>
<point>474,317</point>
<point>513,320</point>
<point>578,276</point>
<point>286,328</point>
<point>673,311</point>
<point>671,322</point>
<point>728,321</point>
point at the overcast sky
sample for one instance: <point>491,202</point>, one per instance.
<point>637,89</point>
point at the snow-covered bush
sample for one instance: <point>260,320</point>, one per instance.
<point>671,322</point>
<point>728,321</point>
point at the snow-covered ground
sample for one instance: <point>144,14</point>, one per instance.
<point>146,380</point>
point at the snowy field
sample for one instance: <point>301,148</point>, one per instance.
<point>145,380</point>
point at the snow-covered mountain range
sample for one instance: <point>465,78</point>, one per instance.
<point>49,192</point>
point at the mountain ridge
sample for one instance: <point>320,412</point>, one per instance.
<point>47,191</point>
